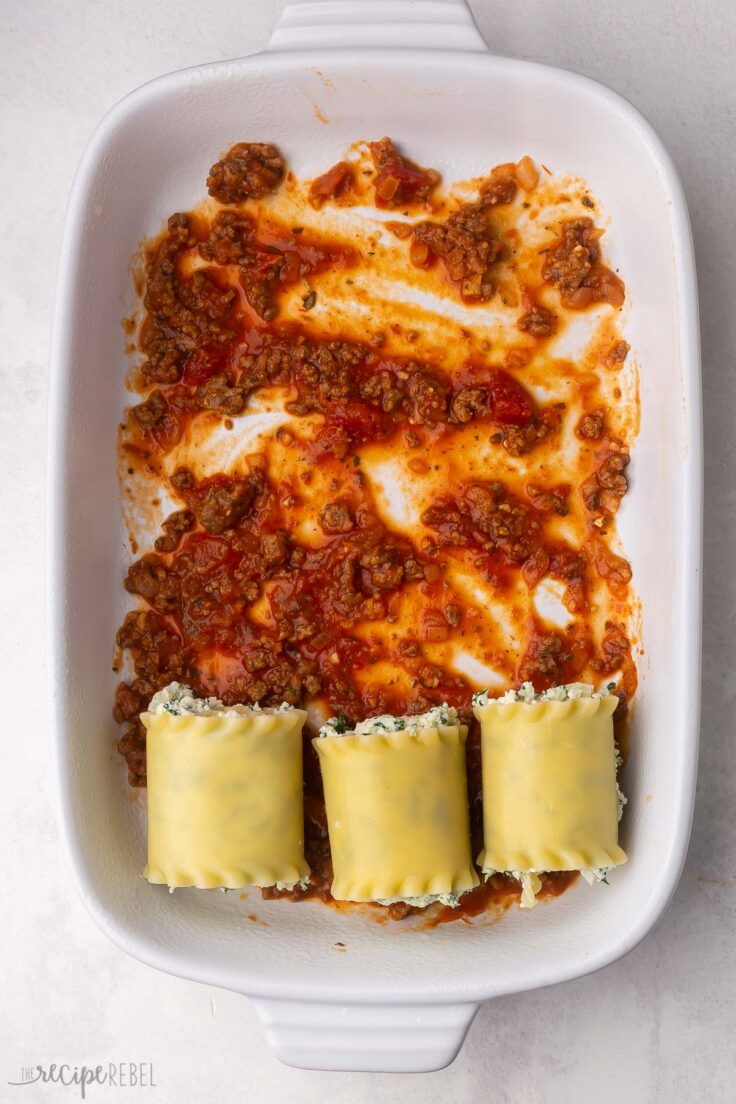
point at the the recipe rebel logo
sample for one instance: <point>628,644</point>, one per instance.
<point>112,1075</point>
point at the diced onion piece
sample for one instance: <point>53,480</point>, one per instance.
<point>527,174</point>
<point>419,253</point>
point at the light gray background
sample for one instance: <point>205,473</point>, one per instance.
<point>658,1027</point>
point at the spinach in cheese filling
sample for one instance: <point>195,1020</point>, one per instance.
<point>179,701</point>
<point>440,715</point>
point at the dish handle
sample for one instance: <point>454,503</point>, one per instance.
<point>403,24</point>
<point>388,1038</point>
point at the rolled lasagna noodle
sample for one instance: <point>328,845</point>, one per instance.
<point>225,803</point>
<point>550,796</point>
<point>397,813</point>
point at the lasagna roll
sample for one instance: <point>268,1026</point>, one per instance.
<point>397,808</point>
<point>224,793</point>
<point>550,795</point>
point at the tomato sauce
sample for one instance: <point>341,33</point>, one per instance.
<point>378,542</point>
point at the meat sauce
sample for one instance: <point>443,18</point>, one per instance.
<point>379,541</point>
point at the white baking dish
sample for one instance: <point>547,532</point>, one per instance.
<point>395,998</point>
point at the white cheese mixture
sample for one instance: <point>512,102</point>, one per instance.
<point>531,883</point>
<point>571,691</point>
<point>303,883</point>
<point>439,715</point>
<point>181,701</point>
<point>450,899</point>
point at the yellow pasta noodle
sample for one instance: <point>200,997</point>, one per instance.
<point>225,798</point>
<point>550,796</point>
<point>397,813</point>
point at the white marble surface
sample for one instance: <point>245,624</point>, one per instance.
<point>658,1027</point>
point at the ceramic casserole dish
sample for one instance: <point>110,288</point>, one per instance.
<point>399,998</point>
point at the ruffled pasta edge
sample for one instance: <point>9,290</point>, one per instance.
<point>254,724</point>
<point>353,889</point>
<point>182,877</point>
<point>548,860</point>
<point>379,741</point>
<point>529,712</point>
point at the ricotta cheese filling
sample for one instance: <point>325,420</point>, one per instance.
<point>531,883</point>
<point>452,900</point>
<point>181,701</point>
<point>386,722</point>
<point>570,691</point>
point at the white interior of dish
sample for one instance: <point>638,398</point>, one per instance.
<point>462,116</point>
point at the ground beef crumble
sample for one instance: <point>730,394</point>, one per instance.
<point>249,170</point>
<point>572,265</point>
<point>399,181</point>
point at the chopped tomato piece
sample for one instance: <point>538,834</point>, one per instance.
<point>510,402</point>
